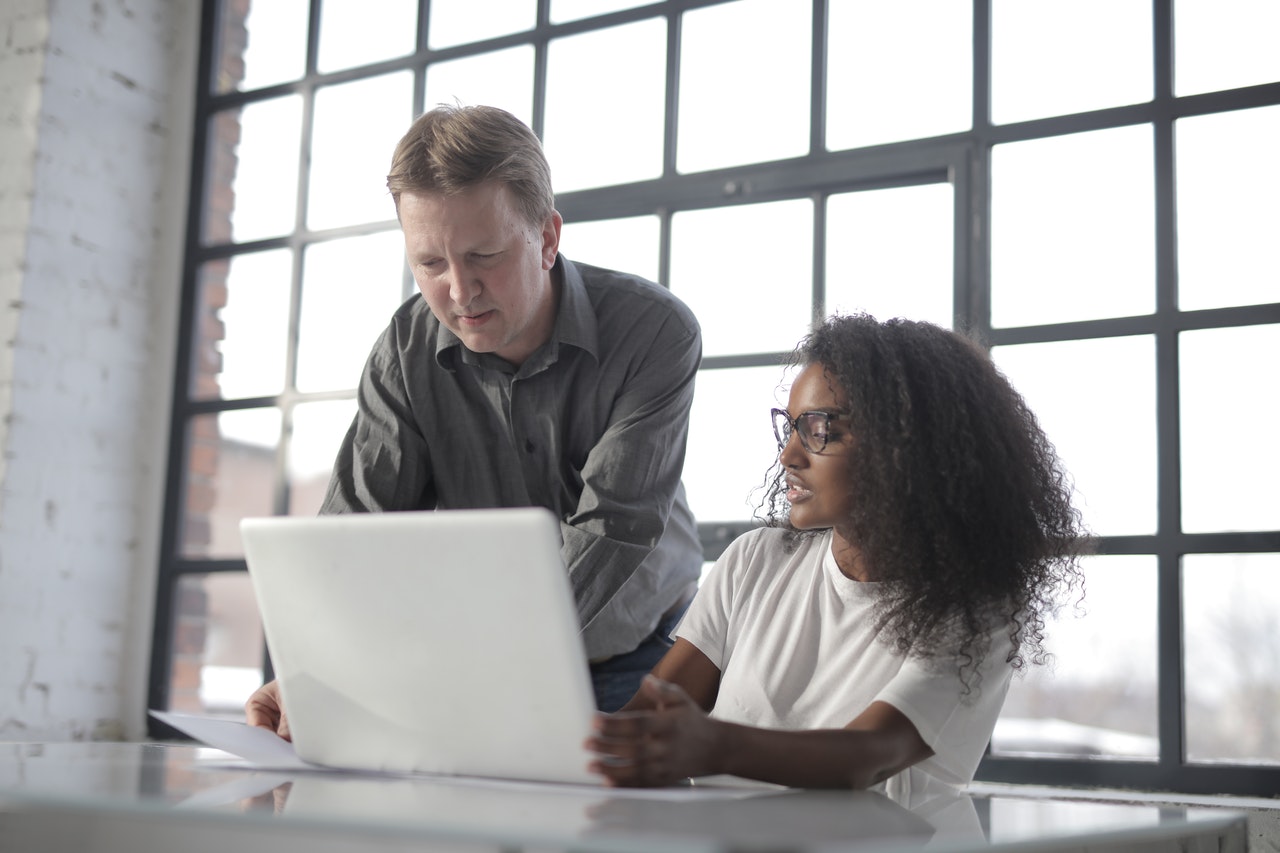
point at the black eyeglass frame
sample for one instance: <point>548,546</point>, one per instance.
<point>784,425</point>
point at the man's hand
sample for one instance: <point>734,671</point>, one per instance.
<point>265,710</point>
<point>653,748</point>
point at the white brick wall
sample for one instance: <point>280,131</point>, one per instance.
<point>95,115</point>
<point>23,36</point>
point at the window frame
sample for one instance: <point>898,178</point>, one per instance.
<point>962,159</point>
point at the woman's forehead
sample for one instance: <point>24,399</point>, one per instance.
<point>815,388</point>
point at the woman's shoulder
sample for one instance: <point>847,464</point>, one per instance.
<point>771,545</point>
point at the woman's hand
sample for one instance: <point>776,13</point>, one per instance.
<point>673,741</point>
<point>265,710</point>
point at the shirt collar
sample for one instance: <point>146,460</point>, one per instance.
<point>576,326</point>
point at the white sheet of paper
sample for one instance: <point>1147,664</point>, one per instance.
<point>266,750</point>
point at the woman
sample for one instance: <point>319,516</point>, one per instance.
<point>919,528</point>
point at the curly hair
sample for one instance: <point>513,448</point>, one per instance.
<point>960,506</point>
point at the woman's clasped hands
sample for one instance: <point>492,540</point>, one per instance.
<point>670,740</point>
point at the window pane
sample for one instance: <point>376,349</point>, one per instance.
<point>502,78</point>
<point>574,10</point>
<point>1224,44</point>
<point>1230,456</point>
<point>230,475</point>
<point>1091,701</point>
<point>356,32</point>
<point>461,21</point>
<point>1050,59</point>
<point>895,71</point>
<point>357,126</point>
<point>736,105</point>
<point>350,288</point>
<point>731,443</point>
<point>1228,209</point>
<point>217,644</point>
<point>1232,652</point>
<point>746,302</point>
<point>890,253</point>
<point>1106,434</point>
<point>254,151</point>
<point>318,429</point>
<point>620,73</point>
<point>628,245</point>
<point>1073,228</point>
<point>242,326</point>
<point>261,43</point>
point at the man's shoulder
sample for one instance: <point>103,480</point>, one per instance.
<point>613,292</point>
<point>411,334</point>
<point>413,324</point>
<point>613,286</point>
<point>413,310</point>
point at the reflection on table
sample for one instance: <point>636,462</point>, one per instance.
<point>91,796</point>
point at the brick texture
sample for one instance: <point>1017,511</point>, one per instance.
<point>94,114</point>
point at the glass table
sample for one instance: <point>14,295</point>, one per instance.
<point>108,797</point>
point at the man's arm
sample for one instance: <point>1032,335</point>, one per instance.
<point>632,475</point>
<point>383,463</point>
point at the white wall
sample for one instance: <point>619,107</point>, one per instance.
<point>95,128</point>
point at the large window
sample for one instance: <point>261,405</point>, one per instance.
<point>1088,186</point>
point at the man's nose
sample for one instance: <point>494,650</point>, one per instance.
<point>464,287</point>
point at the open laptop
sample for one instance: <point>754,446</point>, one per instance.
<point>439,642</point>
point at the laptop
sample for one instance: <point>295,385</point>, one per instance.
<point>440,642</point>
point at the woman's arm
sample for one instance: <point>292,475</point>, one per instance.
<point>686,666</point>
<point>675,739</point>
<point>878,743</point>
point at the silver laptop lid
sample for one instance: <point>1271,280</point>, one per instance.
<point>440,642</point>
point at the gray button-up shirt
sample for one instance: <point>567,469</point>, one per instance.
<point>592,426</point>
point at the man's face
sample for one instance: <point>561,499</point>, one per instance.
<point>483,269</point>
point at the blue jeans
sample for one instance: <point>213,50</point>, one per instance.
<point>617,679</point>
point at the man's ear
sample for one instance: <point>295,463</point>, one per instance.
<point>551,239</point>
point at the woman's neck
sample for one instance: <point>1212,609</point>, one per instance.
<point>849,558</point>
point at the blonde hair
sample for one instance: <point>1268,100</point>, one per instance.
<point>453,148</point>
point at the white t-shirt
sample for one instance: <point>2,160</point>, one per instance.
<point>795,642</point>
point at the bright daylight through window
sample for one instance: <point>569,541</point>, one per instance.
<point>1103,215</point>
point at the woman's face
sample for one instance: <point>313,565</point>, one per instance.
<point>818,487</point>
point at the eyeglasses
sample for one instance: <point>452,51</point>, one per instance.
<point>812,427</point>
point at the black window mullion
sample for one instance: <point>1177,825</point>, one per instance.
<point>1171,716</point>
<point>817,144</point>
<point>671,101</point>
<point>973,211</point>
<point>313,36</point>
<point>664,247</point>
<point>820,309</point>
<point>818,77</point>
<point>971,241</point>
<point>162,628</point>
<point>541,49</point>
<point>962,158</point>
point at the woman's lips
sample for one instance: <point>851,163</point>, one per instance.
<point>796,491</point>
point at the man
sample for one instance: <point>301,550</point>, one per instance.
<point>519,378</point>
